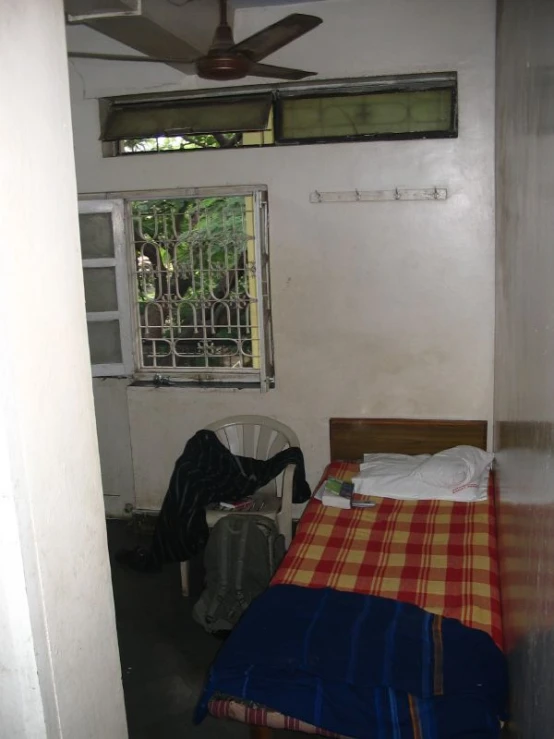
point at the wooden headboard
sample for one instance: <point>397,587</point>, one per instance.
<point>351,438</point>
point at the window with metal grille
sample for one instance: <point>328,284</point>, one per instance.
<point>199,290</point>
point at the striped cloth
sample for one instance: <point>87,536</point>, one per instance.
<point>438,555</point>
<point>363,665</point>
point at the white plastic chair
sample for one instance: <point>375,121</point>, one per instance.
<point>259,437</point>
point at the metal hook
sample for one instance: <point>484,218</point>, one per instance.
<point>318,196</point>
<point>436,194</point>
<point>396,194</point>
<point>358,195</point>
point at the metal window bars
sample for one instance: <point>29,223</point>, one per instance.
<point>201,286</point>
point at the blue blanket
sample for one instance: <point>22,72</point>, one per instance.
<point>362,666</point>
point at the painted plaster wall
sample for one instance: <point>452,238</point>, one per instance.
<point>524,362</point>
<point>59,665</point>
<point>379,309</point>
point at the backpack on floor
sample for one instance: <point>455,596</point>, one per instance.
<point>241,556</point>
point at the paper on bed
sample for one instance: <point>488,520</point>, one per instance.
<point>336,493</point>
<point>457,474</point>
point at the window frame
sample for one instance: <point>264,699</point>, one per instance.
<point>282,140</point>
<point>300,90</point>
<point>118,262</point>
<point>110,120</point>
<point>120,203</point>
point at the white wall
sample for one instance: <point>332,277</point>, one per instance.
<point>59,663</point>
<point>379,309</point>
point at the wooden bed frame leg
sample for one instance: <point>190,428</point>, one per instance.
<point>260,732</point>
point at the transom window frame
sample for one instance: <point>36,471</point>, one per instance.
<point>282,139</point>
<point>119,205</point>
<point>289,91</point>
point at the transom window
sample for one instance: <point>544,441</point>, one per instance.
<point>198,294</point>
<point>198,142</point>
<point>339,117</point>
<point>386,108</point>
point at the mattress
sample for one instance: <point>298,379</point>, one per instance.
<point>438,555</point>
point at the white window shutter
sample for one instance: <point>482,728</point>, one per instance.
<point>106,276</point>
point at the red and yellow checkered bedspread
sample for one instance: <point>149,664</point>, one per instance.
<point>438,555</point>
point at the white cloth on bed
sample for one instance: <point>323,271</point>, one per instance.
<point>457,474</point>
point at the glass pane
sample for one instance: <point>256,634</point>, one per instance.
<point>213,116</point>
<point>104,342</point>
<point>187,142</point>
<point>100,289</point>
<point>96,235</point>
<point>343,116</point>
<point>192,142</point>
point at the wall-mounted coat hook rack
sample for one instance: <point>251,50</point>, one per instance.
<point>378,196</point>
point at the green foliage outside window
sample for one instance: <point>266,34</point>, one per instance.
<point>193,277</point>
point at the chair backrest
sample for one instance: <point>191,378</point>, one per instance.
<point>260,437</point>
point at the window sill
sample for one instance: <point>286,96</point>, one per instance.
<point>195,385</point>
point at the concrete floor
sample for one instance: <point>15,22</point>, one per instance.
<point>164,653</point>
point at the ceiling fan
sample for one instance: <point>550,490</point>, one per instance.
<point>226,60</point>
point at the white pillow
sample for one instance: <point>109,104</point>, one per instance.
<point>452,468</point>
<point>460,473</point>
<point>384,464</point>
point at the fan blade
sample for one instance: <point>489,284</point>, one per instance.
<point>127,58</point>
<point>273,37</point>
<point>281,73</point>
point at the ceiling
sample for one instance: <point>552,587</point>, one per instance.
<point>76,7</point>
<point>165,28</point>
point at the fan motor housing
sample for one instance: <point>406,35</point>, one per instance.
<point>223,67</point>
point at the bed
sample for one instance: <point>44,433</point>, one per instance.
<point>437,556</point>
